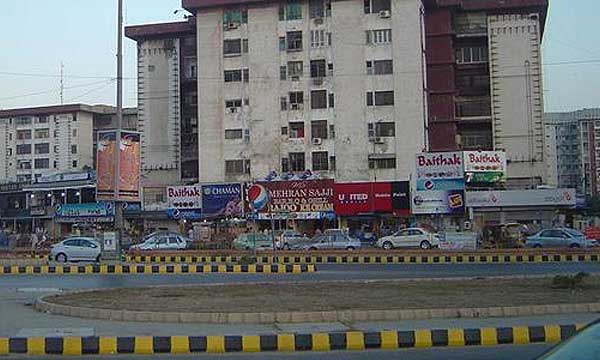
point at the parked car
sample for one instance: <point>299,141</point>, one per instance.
<point>559,237</point>
<point>583,346</point>
<point>286,239</point>
<point>76,249</point>
<point>163,241</point>
<point>411,237</point>
<point>252,240</point>
<point>330,239</point>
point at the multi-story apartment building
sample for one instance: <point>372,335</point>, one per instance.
<point>485,81</point>
<point>334,87</point>
<point>573,143</point>
<point>52,139</point>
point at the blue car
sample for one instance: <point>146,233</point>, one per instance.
<point>559,237</point>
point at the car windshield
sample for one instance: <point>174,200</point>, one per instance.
<point>584,346</point>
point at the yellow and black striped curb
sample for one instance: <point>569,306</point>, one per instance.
<point>157,269</point>
<point>374,259</point>
<point>351,340</point>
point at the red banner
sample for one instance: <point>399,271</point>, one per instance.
<point>129,166</point>
<point>363,198</point>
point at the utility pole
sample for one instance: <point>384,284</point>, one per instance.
<point>62,83</point>
<point>117,172</point>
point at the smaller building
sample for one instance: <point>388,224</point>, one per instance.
<point>573,147</point>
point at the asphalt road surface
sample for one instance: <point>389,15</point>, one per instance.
<point>504,352</point>
<point>324,273</point>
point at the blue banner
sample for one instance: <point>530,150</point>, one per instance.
<point>184,214</point>
<point>222,200</point>
<point>97,209</point>
<point>440,184</point>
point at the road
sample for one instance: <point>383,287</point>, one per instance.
<point>324,273</point>
<point>504,352</point>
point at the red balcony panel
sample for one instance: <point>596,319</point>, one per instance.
<point>441,78</point>
<point>438,21</point>
<point>441,108</point>
<point>442,136</point>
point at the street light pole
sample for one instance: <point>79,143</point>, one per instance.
<point>119,124</point>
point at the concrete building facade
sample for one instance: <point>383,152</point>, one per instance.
<point>167,105</point>
<point>52,139</point>
<point>336,88</point>
<point>485,81</point>
<point>573,142</point>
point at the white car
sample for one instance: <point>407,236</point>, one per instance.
<point>411,237</point>
<point>76,249</point>
<point>162,241</point>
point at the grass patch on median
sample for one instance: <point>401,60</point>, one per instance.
<point>335,296</point>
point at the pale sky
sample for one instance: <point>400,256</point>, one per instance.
<point>37,35</point>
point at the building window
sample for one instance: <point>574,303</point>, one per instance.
<point>292,10</point>
<point>318,38</point>
<point>56,149</point>
<point>74,132</point>
<point>23,134</point>
<point>294,40</point>
<point>316,9</point>
<point>380,67</point>
<point>332,162</point>
<point>233,105</point>
<point>318,129</point>
<point>74,164</point>
<point>246,75</point>
<point>23,121</point>
<point>331,100</point>
<point>295,69</point>
<point>471,55</point>
<point>232,47</point>
<point>24,178</point>
<point>42,148</point>
<point>380,98</point>
<point>245,46</point>
<point>55,133</point>
<point>9,152</point>
<point>235,16</point>
<point>296,130</point>
<point>318,68</point>
<point>42,120</point>
<point>320,161</point>
<point>318,99</point>
<point>73,149</point>
<point>382,129</point>
<point>24,164</point>
<point>237,167</point>
<point>376,37</point>
<point>232,134</point>
<point>42,163</point>
<point>296,100</point>
<point>283,103</point>
<point>233,75</point>
<point>283,73</point>
<point>151,68</point>
<point>42,133</point>
<point>382,162</point>
<point>297,162</point>
<point>282,44</point>
<point>55,164</point>
<point>376,6</point>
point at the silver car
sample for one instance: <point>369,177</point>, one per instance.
<point>288,238</point>
<point>411,237</point>
<point>559,237</point>
<point>76,249</point>
<point>163,241</point>
<point>331,239</point>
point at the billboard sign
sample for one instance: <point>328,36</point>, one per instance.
<point>94,212</point>
<point>542,197</point>
<point>400,197</point>
<point>184,197</point>
<point>308,198</point>
<point>361,198</point>
<point>439,171</point>
<point>222,200</point>
<point>439,202</point>
<point>184,214</point>
<point>485,166</point>
<point>129,166</point>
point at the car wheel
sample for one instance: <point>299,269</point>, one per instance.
<point>425,245</point>
<point>286,247</point>
<point>98,258</point>
<point>350,248</point>
<point>574,246</point>
<point>387,245</point>
<point>61,258</point>
<point>537,246</point>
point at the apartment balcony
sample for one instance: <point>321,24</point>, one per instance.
<point>478,109</point>
<point>471,25</point>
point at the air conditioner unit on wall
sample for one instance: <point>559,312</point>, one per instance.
<point>317,81</point>
<point>296,106</point>
<point>317,141</point>
<point>231,26</point>
<point>385,14</point>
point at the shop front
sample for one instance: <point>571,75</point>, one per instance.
<point>372,208</point>
<point>84,219</point>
